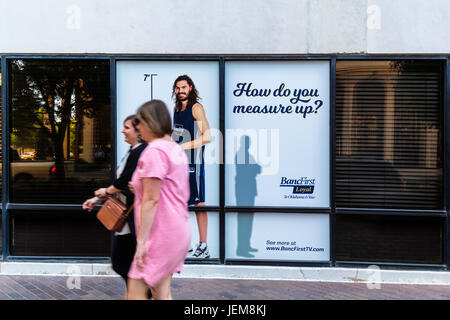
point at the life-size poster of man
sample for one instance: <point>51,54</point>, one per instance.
<point>191,130</point>
<point>190,91</point>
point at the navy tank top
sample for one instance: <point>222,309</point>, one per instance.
<point>186,129</point>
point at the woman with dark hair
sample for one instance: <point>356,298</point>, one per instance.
<point>123,244</point>
<point>161,187</point>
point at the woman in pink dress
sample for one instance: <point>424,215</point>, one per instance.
<point>161,187</point>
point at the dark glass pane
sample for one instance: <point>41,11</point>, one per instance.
<point>389,134</point>
<point>58,234</point>
<point>60,137</point>
<point>389,239</point>
<point>1,141</point>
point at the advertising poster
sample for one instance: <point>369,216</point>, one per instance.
<point>277,133</point>
<point>278,236</point>
<point>174,82</point>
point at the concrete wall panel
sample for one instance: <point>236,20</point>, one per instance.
<point>336,26</point>
<point>225,26</point>
<point>408,27</point>
<point>142,26</point>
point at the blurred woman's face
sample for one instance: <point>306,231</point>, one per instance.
<point>131,135</point>
<point>145,132</point>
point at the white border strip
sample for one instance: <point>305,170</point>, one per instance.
<point>370,276</point>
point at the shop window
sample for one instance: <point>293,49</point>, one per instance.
<point>277,236</point>
<point>389,134</point>
<point>60,130</point>
<point>157,82</point>
<point>391,239</point>
<point>58,234</point>
<point>277,134</point>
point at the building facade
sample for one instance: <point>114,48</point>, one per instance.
<point>330,139</point>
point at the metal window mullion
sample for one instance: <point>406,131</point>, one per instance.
<point>446,158</point>
<point>5,157</point>
<point>222,219</point>
<point>113,115</point>
<point>332,224</point>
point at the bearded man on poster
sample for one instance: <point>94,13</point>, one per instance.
<point>191,130</point>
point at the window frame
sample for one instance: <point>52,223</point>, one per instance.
<point>222,209</point>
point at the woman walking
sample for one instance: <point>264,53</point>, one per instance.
<point>123,245</point>
<point>161,187</point>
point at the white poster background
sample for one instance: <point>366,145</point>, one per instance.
<point>134,88</point>
<point>212,237</point>
<point>279,236</point>
<point>282,145</point>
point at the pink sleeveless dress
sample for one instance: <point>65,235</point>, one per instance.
<point>169,238</point>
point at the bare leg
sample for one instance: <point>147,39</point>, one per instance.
<point>137,289</point>
<point>202,223</point>
<point>162,290</point>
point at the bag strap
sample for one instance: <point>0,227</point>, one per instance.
<point>117,197</point>
<point>129,211</point>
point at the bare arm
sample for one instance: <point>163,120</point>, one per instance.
<point>101,193</point>
<point>89,204</point>
<point>200,117</point>
<point>150,200</point>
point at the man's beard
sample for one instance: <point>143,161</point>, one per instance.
<point>186,97</point>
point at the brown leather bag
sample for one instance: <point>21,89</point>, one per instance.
<point>113,214</point>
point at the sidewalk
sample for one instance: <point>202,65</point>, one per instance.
<point>51,287</point>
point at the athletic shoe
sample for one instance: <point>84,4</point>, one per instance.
<point>201,251</point>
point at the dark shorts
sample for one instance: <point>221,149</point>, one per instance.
<point>196,183</point>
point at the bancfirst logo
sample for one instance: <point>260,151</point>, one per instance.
<point>302,185</point>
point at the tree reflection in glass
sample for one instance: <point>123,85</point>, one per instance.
<point>60,138</point>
